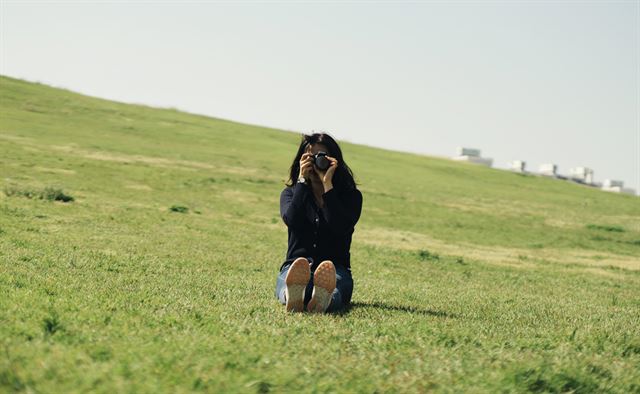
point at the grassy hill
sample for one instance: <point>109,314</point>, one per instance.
<point>159,274</point>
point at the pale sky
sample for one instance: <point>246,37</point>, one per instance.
<point>539,81</point>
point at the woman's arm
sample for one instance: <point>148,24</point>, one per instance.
<point>342,212</point>
<point>292,205</point>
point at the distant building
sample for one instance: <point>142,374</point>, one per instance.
<point>610,185</point>
<point>472,156</point>
<point>518,166</point>
<point>548,169</point>
<point>582,175</point>
<point>468,152</point>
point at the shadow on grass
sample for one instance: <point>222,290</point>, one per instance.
<point>393,308</point>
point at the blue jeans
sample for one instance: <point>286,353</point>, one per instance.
<point>340,298</point>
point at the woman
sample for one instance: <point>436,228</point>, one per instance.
<point>320,208</point>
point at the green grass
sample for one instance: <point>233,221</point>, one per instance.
<point>158,275</point>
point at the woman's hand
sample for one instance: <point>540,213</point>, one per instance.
<point>327,176</point>
<point>306,165</point>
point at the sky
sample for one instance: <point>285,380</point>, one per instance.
<point>540,81</point>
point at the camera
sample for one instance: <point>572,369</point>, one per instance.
<point>320,161</point>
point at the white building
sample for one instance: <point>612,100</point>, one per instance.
<point>582,174</point>
<point>548,169</point>
<point>472,156</point>
<point>518,166</point>
<point>610,185</point>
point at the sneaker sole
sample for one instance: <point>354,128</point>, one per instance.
<point>296,280</point>
<point>324,282</point>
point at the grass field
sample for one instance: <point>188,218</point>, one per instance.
<point>157,273</point>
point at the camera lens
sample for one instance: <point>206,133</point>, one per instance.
<point>321,161</point>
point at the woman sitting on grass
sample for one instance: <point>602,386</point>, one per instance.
<point>320,207</point>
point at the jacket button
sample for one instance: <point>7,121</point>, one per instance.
<point>314,245</point>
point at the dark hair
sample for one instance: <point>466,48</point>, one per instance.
<point>342,178</point>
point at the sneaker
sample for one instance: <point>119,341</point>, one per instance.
<point>296,282</point>
<point>324,282</point>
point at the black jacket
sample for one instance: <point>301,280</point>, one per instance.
<point>320,233</point>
